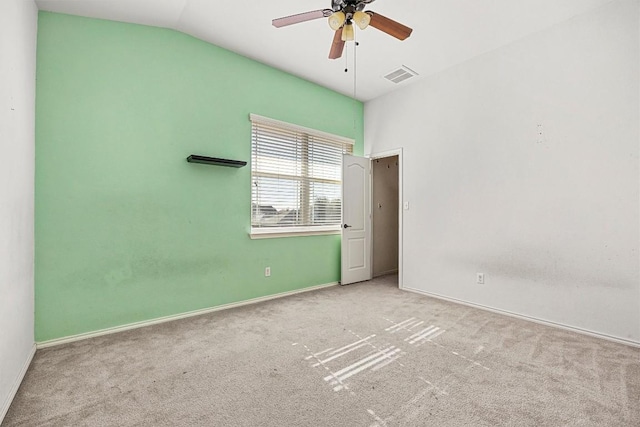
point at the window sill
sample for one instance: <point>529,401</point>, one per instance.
<point>274,233</point>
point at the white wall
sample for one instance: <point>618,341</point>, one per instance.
<point>18,23</point>
<point>553,225</point>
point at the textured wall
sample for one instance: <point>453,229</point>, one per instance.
<point>18,24</point>
<point>126,229</point>
<point>552,221</point>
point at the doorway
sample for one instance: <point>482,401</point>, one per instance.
<point>386,215</point>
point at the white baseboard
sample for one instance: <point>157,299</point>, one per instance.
<point>116,329</point>
<point>528,318</point>
<point>16,384</point>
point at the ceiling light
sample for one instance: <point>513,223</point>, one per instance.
<point>361,19</point>
<point>336,20</point>
<point>347,32</point>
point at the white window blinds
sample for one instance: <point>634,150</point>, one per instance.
<point>296,175</point>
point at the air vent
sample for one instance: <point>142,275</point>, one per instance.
<point>401,74</point>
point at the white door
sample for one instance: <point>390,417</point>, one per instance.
<point>356,219</point>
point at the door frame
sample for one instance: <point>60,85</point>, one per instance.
<point>380,155</point>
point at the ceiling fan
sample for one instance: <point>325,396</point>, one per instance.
<point>342,15</point>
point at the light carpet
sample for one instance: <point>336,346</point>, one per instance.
<point>366,354</point>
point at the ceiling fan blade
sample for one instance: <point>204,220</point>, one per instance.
<point>337,46</point>
<point>389,26</point>
<point>301,17</point>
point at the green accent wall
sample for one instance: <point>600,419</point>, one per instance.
<point>126,229</point>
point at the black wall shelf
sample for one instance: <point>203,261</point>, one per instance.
<point>194,158</point>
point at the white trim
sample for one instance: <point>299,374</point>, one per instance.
<point>255,118</point>
<point>380,155</point>
<point>122,328</point>
<point>276,232</point>
<point>529,318</point>
<point>16,384</point>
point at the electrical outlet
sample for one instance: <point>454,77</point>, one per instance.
<point>267,271</point>
<point>540,132</point>
<point>480,278</point>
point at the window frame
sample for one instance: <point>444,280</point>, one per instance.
<point>307,134</point>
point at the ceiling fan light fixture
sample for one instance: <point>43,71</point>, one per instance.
<point>361,19</point>
<point>336,20</point>
<point>348,33</point>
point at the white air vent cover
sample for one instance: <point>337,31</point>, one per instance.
<point>401,74</point>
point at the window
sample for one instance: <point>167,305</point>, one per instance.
<point>296,179</point>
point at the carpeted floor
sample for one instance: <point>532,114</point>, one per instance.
<point>366,354</point>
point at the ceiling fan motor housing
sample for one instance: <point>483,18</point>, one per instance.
<point>349,6</point>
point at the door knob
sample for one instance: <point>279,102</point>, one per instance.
<point>346,226</point>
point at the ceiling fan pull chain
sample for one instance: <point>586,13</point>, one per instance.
<point>346,59</point>
<point>355,64</point>
<point>355,75</point>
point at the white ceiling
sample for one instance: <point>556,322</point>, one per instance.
<point>445,32</point>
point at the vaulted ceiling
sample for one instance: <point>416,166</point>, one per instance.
<point>445,33</point>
